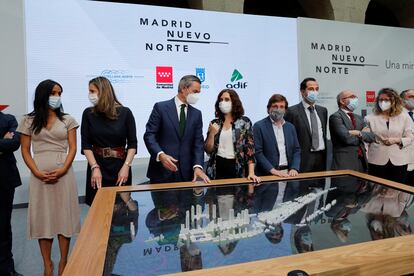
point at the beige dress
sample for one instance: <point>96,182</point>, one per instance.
<point>53,208</point>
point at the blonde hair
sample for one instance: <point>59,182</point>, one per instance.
<point>396,105</point>
<point>107,103</point>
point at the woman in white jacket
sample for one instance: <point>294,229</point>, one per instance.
<point>388,155</point>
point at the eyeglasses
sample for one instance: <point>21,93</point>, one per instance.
<point>350,97</point>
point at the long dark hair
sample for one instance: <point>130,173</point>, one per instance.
<point>237,110</point>
<point>40,111</point>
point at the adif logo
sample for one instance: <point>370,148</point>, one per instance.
<point>235,83</point>
<point>164,77</point>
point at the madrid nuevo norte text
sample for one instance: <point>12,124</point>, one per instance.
<point>167,47</point>
<point>340,70</point>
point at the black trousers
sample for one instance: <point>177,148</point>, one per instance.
<point>6,206</point>
<point>314,161</point>
<point>389,171</point>
<point>225,168</point>
<point>409,180</point>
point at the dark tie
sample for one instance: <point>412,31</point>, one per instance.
<point>182,120</point>
<point>351,115</point>
<point>411,115</point>
<point>314,128</point>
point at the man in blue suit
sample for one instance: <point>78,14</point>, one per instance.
<point>174,138</point>
<point>10,179</point>
<point>277,149</point>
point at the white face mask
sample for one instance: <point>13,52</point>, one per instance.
<point>192,98</point>
<point>385,105</point>
<point>225,107</point>
<point>93,98</point>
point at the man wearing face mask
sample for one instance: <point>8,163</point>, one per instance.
<point>310,122</point>
<point>174,136</point>
<point>407,97</point>
<point>277,149</point>
<point>347,135</point>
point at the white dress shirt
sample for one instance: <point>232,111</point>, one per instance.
<point>280,139</point>
<point>320,131</point>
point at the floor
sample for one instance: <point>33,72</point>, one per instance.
<point>27,258</point>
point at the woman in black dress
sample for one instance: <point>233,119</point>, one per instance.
<point>109,139</point>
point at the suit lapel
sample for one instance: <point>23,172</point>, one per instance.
<point>172,114</point>
<point>304,118</point>
<point>359,122</point>
<point>271,133</point>
<point>346,119</point>
<point>287,141</point>
<point>322,118</point>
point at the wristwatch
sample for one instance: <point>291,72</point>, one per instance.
<point>129,164</point>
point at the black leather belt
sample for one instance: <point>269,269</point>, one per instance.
<point>281,168</point>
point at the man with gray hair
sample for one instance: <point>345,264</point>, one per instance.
<point>407,97</point>
<point>348,135</point>
<point>174,138</point>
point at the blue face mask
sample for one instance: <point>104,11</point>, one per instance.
<point>54,102</point>
<point>410,104</point>
<point>353,104</point>
<point>312,96</point>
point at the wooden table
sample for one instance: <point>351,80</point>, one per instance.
<point>393,256</point>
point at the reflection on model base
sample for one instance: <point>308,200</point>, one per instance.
<point>243,225</point>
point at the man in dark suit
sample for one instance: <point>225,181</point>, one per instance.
<point>310,122</point>
<point>407,97</point>
<point>175,141</point>
<point>347,135</point>
<point>277,149</point>
<point>10,179</point>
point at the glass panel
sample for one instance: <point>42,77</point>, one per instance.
<point>178,230</point>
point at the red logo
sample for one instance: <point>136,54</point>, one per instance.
<point>164,76</point>
<point>370,96</point>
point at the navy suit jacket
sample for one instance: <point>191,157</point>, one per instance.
<point>10,177</point>
<point>162,134</point>
<point>266,149</point>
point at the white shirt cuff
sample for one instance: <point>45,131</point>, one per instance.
<point>158,156</point>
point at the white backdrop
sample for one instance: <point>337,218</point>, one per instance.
<point>363,58</point>
<point>74,41</point>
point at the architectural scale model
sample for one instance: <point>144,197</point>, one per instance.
<point>203,227</point>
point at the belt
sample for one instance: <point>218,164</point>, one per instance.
<point>118,152</point>
<point>281,168</point>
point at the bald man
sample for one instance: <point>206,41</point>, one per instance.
<point>347,136</point>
